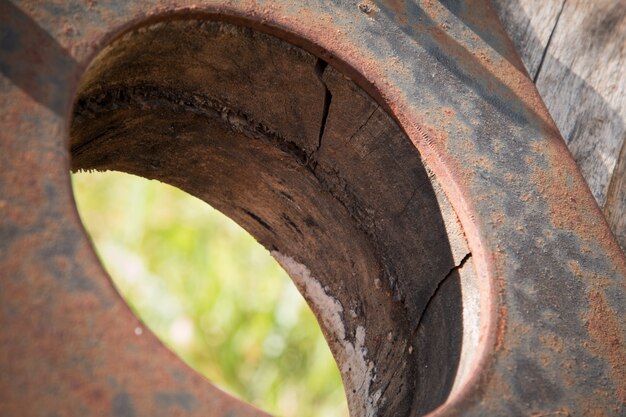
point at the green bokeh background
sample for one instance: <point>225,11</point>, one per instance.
<point>211,293</point>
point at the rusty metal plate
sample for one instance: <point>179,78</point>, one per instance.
<point>550,274</point>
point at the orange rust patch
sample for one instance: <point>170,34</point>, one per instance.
<point>595,412</point>
<point>526,197</point>
<point>603,326</point>
<point>484,162</point>
<point>448,111</point>
<point>498,218</point>
<point>553,342</point>
<point>561,199</point>
<point>501,327</point>
<point>400,10</point>
<point>557,413</point>
<point>574,266</point>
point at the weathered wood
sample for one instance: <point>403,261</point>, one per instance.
<point>616,200</point>
<point>575,51</point>
<point>583,83</point>
<point>319,173</point>
<point>529,23</point>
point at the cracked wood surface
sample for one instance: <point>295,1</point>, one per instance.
<point>318,173</point>
<point>575,51</point>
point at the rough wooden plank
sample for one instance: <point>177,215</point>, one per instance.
<point>583,83</point>
<point>575,51</point>
<point>616,200</point>
<point>529,24</point>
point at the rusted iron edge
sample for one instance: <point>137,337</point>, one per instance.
<point>352,62</point>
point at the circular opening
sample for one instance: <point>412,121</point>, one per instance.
<point>318,173</point>
<point>208,290</point>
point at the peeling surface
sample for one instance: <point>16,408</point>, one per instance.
<point>350,353</point>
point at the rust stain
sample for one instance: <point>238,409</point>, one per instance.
<point>448,111</point>
<point>604,328</point>
<point>556,413</point>
<point>500,334</point>
<point>554,342</point>
<point>560,197</point>
<point>335,34</point>
<point>400,10</point>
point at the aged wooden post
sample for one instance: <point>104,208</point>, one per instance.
<point>575,53</point>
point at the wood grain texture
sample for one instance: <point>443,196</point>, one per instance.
<point>318,173</point>
<point>616,200</point>
<point>583,84</point>
<point>575,51</point>
<point>529,23</point>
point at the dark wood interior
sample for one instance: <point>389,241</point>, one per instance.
<point>312,167</point>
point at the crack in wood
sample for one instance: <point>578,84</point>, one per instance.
<point>363,125</point>
<point>320,67</point>
<point>150,98</point>
<point>439,285</point>
<point>545,51</point>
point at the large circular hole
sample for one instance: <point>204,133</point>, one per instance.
<point>318,173</point>
<point>211,293</point>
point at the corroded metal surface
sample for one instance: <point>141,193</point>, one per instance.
<point>551,274</point>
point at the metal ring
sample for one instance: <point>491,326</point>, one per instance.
<point>550,276</point>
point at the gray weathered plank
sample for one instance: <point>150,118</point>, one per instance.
<point>529,23</point>
<point>616,200</point>
<point>583,83</point>
<point>575,50</point>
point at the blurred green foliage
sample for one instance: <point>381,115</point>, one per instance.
<point>211,293</point>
